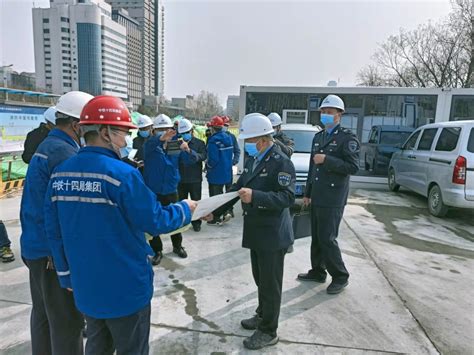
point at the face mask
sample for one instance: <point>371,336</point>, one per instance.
<point>251,149</point>
<point>224,129</point>
<point>327,120</point>
<point>125,151</point>
<point>187,137</point>
<point>144,134</point>
<point>83,142</point>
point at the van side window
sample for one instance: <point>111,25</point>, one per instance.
<point>427,138</point>
<point>470,143</point>
<point>410,143</point>
<point>374,136</point>
<point>448,139</point>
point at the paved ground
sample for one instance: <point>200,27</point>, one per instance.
<point>411,287</point>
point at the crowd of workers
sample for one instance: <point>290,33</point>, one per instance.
<point>92,194</point>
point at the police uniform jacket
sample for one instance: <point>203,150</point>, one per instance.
<point>97,209</point>
<point>267,221</point>
<point>328,183</point>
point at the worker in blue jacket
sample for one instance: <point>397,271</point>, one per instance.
<point>56,324</point>
<point>219,162</point>
<point>97,209</point>
<point>235,151</point>
<point>161,174</point>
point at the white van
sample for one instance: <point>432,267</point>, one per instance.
<point>437,161</point>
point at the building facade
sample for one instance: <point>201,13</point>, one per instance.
<point>148,15</point>
<point>79,47</point>
<point>134,57</point>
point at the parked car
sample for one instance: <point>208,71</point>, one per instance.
<point>302,135</point>
<point>437,161</point>
<point>383,142</point>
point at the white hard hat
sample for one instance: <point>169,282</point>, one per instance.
<point>162,121</point>
<point>184,125</point>
<point>144,121</point>
<point>255,125</point>
<point>50,115</point>
<point>333,101</point>
<point>72,103</point>
<point>275,119</point>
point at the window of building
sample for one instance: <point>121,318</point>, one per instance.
<point>448,139</point>
<point>64,19</point>
<point>48,77</point>
<point>45,30</point>
<point>65,38</point>
<point>48,71</point>
<point>427,138</point>
<point>66,77</point>
<point>65,51</point>
<point>47,46</point>
<point>67,85</point>
<point>46,20</point>
<point>66,71</point>
<point>64,29</point>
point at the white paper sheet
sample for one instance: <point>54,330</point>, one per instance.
<point>206,206</point>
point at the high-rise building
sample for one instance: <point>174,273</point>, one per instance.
<point>79,47</point>
<point>134,55</point>
<point>232,108</point>
<point>148,14</point>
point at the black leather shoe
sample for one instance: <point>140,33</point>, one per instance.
<point>180,252</point>
<point>259,340</point>
<point>251,323</point>
<point>197,228</point>
<point>336,287</point>
<point>312,277</point>
<point>156,260</point>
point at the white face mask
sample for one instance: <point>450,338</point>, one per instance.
<point>83,142</point>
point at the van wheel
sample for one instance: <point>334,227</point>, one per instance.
<point>435,202</point>
<point>392,185</point>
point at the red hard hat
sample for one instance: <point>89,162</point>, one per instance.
<point>226,119</point>
<point>106,110</point>
<point>216,121</point>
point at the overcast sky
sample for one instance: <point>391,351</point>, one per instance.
<point>222,44</point>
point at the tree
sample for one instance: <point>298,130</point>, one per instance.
<point>206,105</point>
<point>434,55</point>
<point>147,110</point>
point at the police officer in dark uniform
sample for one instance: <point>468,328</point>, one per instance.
<point>285,143</point>
<point>334,157</point>
<point>266,189</point>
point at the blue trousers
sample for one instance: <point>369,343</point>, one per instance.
<point>127,335</point>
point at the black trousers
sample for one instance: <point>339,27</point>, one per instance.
<point>219,190</point>
<point>325,252</point>
<point>193,190</point>
<point>177,239</point>
<point>56,324</point>
<point>267,270</point>
<point>127,335</point>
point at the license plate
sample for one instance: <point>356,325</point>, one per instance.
<point>299,189</point>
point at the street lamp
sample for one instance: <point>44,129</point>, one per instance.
<point>5,74</point>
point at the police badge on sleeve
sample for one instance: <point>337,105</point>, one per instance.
<point>284,179</point>
<point>353,146</point>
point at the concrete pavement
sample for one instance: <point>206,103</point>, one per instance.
<point>404,265</point>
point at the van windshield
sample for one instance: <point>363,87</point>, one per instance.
<point>393,138</point>
<point>303,140</point>
<point>470,142</point>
